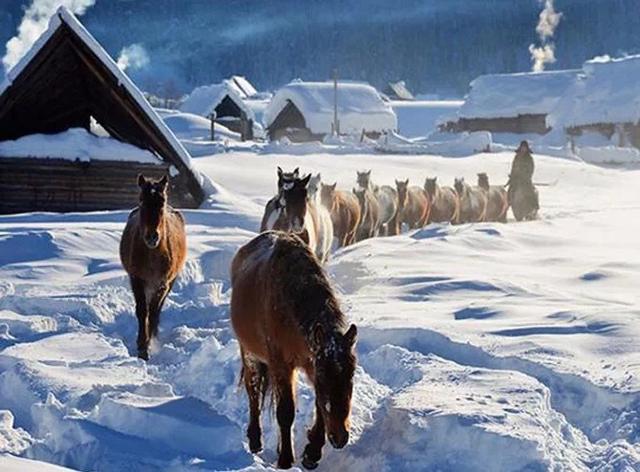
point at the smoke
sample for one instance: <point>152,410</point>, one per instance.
<point>34,23</point>
<point>133,56</point>
<point>547,23</point>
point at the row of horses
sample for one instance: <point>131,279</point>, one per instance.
<point>320,212</point>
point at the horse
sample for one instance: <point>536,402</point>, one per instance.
<point>313,188</point>
<point>413,205</point>
<point>387,198</point>
<point>473,202</point>
<point>344,209</point>
<point>445,206</point>
<point>523,198</point>
<point>153,249</point>
<point>300,215</point>
<point>286,317</point>
<point>369,214</point>
<point>497,201</point>
<point>324,229</point>
<point>274,206</point>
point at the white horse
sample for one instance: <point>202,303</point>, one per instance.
<point>324,229</point>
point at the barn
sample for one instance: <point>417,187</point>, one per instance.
<point>604,100</point>
<point>304,111</point>
<point>75,131</point>
<point>511,103</point>
<point>226,100</point>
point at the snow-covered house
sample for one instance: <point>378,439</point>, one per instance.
<point>604,99</point>
<point>244,88</point>
<point>398,91</point>
<point>226,100</point>
<point>64,88</point>
<point>512,103</point>
<point>304,111</point>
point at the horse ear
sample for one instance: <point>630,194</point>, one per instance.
<point>318,335</point>
<point>296,172</point>
<point>280,171</point>
<point>435,179</point>
<point>163,183</point>
<point>368,172</point>
<point>141,180</point>
<point>406,182</point>
<point>305,181</point>
<point>333,187</point>
<point>351,335</point>
<point>354,191</point>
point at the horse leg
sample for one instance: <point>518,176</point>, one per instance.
<point>254,374</point>
<point>155,306</point>
<point>285,413</point>
<point>142,313</point>
<point>317,437</point>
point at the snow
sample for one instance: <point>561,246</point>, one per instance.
<point>360,106</point>
<point>243,86</point>
<point>605,92</point>
<point>480,347</point>
<point>421,117</point>
<point>510,95</point>
<point>76,144</point>
<point>203,100</point>
<point>64,16</point>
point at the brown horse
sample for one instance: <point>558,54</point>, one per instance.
<point>473,202</point>
<point>345,213</point>
<point>413,205</point>
<point>369,214</point>
<point>286,317</point>
<point>497,201</point>
<point>445,206</point>
<point>153,249</point>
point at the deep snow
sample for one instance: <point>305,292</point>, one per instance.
<point>481,347</point>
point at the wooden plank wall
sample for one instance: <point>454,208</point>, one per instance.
<point>58,185</point>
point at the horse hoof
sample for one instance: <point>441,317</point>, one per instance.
<point>285,464</point>
<point>255,447</point>
<point>144,355</point>
<point>309,464</point>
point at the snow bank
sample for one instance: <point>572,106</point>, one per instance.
<point>76,144</point>
<point>510,95</point>
<point>360,106</point>
<point>452,145</point>
<point>204,100</point>
<point>605,92</point>
<point>190,127</point>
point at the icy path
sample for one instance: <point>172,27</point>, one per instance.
<point>482,347</point>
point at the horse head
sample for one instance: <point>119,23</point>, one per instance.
<point>314,186</point>
<point>295,207</point>
<point>430,186</point>
<point>153,204</point>
<point>460,186</point>
<point>402,186</point>
<point>335,365</point>
<point>364,179</point>
<point>483,180</point>
<point>287,178</point>
<point>327,193</point>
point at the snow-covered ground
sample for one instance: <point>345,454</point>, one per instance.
<point>481,347</point>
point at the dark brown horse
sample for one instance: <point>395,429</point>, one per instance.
<point>497,201</point>
<point>153,249</point>
<point>473,202</point>
<point>286,317</point>
<point>369,214</point>
<point>413,205</point>
<point>344,209</point>
<point>276,204</point>
<point>445,206</point>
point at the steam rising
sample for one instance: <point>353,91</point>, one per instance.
<point>34,23</point>
<point>133,56</point>
<point>548,22</point>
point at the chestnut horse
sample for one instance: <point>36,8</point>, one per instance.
<point>344,209</point>
<point>153,249</point>
<point>473,202</point>
<point>286,317</point>
<point>303,216</point>
<point>274,206</point>
<point>413,205</point>
<point>387,198</point>
<point>497,201</point>
<point>445,207</point>
<point>369,214</point>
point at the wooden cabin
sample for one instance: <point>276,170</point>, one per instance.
<point>67,82</point>
<point>511,103</point>
<point>304,111</point>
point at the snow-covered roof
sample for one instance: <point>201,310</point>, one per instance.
<point>360,106</point>
<point>243,86</point>
<point>76,144</point>
<point>204,99</point>
<point>510,95</point>
<point>607,91</point>
<point>65,17</point>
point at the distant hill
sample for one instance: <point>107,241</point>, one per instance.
<point>437,46</point>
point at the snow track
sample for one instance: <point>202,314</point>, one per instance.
<point>481,347</point>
